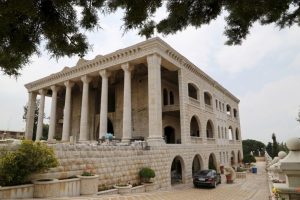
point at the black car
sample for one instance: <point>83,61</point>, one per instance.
<point>206,178</point>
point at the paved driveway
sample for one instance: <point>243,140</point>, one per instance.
<point>255,187</point>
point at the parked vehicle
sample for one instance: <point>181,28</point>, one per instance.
<point>206,178</point>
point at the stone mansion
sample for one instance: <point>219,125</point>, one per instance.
<point>146,92</point>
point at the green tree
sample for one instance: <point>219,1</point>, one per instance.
<point>269,149</point>
<point>275,146</point>
<point>254,146</point>
<point>26,23</point>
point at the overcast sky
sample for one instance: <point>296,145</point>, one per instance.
<point>264,72</point>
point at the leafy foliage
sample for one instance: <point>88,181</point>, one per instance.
<point>254,146</point>
<point>146,173</point>
<point>249,159</point>
<point>15,167</point>
<point>26,24</point>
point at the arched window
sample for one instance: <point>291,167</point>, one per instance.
<point>209,129</point>
<point>230,133</point>
<point>165,94</point>
<point>194,127</point>
<point>237,134</point>
<point>228,109</point>
<point>193,91</point>
<point>171,98</point>
<point>235,114</point>
<point>207,98</point>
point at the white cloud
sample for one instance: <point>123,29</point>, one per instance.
<point>274,108</point>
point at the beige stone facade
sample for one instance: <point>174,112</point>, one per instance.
<point>148,92</point>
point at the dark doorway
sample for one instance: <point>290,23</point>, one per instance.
<point>169,135</point>
<point>110,129</point>
<point>212,162</point>
<point>196,166</point>
<point>176,171</point>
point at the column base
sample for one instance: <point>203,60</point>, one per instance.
<point>157,141</point>
<point>125,141</point>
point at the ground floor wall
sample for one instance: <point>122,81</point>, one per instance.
<point>121,164</point>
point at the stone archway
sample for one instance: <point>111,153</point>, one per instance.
<point>232,159</point>
<point>169,133</point>
<point>240,159</point>
<point>212,162</point>
<point>177,170</point>
<point>197,164</point>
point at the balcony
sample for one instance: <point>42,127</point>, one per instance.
<point>211,140</point>
<point>196,140</point>
<point>168,108</point>
<point>194,102</point>
<point>231,141</point>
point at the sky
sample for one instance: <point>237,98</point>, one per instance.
<point>264,72</point>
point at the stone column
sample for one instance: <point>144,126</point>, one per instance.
<point>127,128</point>
<point>104,99</point>
<point>154,100</point>
<point>84,109</point>
<point>39,130</point>
<point>30,115</point>
<point>53,113</point>
<point>67,111</point>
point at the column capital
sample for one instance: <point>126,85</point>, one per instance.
<point>42,92</point>
<point>54,88</point>
<point>69,84</point>
<point>127,67</point>
<point>154,60</point>
<point>104,73</point>
<point>86,79</point>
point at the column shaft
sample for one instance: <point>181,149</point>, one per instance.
<point>84,109</point>
<point>30,115</point>
<point>154,97</point>
<point>127,128</point>
<point>53,113</point>
<point>67,111</point>
<point>39,130</point>
<point>103,107</point>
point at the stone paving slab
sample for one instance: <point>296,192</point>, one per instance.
<point>254,187</point>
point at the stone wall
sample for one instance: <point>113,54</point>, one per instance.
<point>120,164</point>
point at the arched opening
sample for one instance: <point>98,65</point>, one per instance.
<point>193,91</point>
<point>212,162</point>
<point>207,98</point>
<point>197,164</point>
<point>194,127</point>
<point>177,170</point>
<point>171,98</point>
<point>228,109</point>
<point>230,133</point>
<point>169,133</point>
<point>209,129</point>
<point>165,96</point>
<point>235,113</point>
<point>237,137</point>
<point>239,157</point>
<point>232,158</point>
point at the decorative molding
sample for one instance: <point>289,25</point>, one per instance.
<point>119,57</point>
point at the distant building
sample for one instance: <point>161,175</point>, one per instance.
<point>11,134</point>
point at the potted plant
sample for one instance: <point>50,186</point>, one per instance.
<point>123,188</point>
<point>17,166</point>
<point>146,174</point>
<point>88,183</point>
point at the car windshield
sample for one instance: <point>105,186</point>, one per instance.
<point>204,173</point>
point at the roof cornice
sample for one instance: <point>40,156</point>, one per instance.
<point>154,45</point>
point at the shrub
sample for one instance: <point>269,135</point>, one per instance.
<point>85,173</point>
<point>249,159</point>
<point>30,157</point>
<point>146,173</point>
